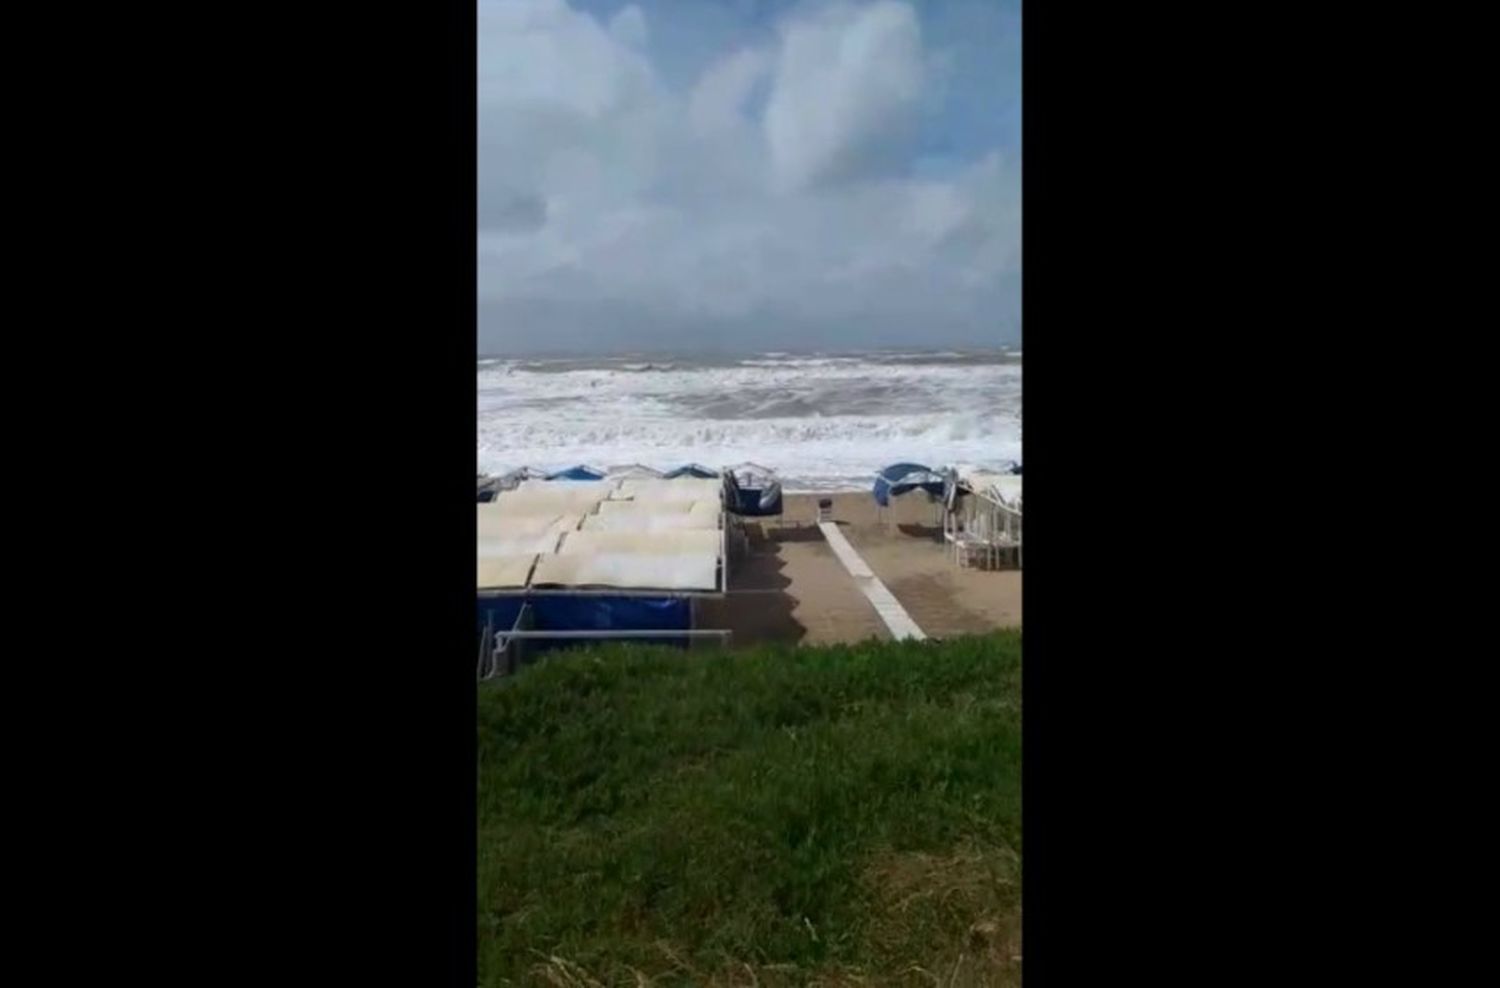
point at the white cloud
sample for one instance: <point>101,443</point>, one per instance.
<point>718,101</point>
<point>629,27</point>
<point>848,86</point>
<point>615,209</point>
<point>544,54</point>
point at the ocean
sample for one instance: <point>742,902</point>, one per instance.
<point>825,422</point>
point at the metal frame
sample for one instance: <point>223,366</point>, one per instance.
<point>509,643</point>
<point>723,541</point>
<point>487,643</point>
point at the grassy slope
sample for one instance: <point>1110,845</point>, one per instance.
<point>846,815</point>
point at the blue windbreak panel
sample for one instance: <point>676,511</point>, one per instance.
<point>611,613</point>
<point>502,610</point>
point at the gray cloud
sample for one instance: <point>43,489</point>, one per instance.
<point>502,211</point>
<point>618,212</point>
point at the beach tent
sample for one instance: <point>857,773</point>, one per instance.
<point>1002,486</point>
<point>579,472</point>
<point>987,524</point>
<point>515,477</point>
<point>658,490</point>
<point>565,557</point>
<point>900,478</point>
<point>637,516</point>
<point>633,470</point>
<point>697,470</point>
<point>491,487</point>
<point>752,491</point>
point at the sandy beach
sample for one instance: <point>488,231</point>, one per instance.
<point>788,586</point>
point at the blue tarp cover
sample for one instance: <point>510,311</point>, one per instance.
<point>503,611</point>
<point>589,613</point>
<point>579,472</point>
<point>899,478</point>
<point>759,498</point>
<point>596,613</point>
<point>611,613</point>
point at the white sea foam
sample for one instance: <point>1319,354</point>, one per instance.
<point>824,422</point>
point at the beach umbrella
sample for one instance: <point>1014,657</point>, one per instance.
<point>901,478</point>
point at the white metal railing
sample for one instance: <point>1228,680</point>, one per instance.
<point>500,650</point>
<point>487,649</point>
<point>987,525</point>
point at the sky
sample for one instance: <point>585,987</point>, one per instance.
<point>710,175</point>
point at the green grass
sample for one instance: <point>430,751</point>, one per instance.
<point>842,815</point>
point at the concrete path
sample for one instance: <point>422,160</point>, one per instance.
<point>890,610</point>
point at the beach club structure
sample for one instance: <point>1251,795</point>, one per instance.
<point>628,552</point>
<point>980,509</point>
<point>982,516</point>
<point>618,553</point>
<point>903,478</point>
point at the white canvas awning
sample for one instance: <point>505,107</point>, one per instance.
<point>632,470</point>
<point>676,489</point>
<point>652,516</point>
<point>556,535</point>
<point>637,507</point>
<point>598,489</point>
<point>559,501</point>
<point>498,521</point>
<point>1004,487</point>
<point>504,572</point>
<point>518,545</point>
<point>675,541</point>
<point>629,570</point>
<point>649,521</point>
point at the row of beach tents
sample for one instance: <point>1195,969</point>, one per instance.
<point>750,489</point>
<point>948,483</point>
<point>754,490</point>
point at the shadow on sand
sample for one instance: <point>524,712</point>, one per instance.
<point>805,532</point>
<point>758,609</point>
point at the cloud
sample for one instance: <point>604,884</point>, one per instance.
<point>718,101</point>
<point>772,199</point>
<point>848,86</point>
<point>517,211</point>
<point>629,27</point>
